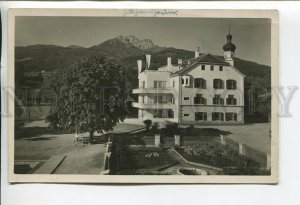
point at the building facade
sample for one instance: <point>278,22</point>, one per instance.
<point>203,90</point>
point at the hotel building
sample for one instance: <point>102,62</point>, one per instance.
<point>203,90</point>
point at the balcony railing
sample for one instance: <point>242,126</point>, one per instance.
<point>153,105</point>
<point>152,90</point>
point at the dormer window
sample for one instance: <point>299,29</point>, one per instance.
<point>220,68</point>
<point>202,67</point>
<point>212,68</point>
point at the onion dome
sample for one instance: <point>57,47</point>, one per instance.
<point>229,46</point>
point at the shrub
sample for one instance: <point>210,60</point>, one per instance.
<point>148,124</point>
<point>190,129</point>
<point>155,126</point>
<point>171,129</point>
<point>176,146</point>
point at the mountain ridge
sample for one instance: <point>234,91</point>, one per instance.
<point>124,50</point>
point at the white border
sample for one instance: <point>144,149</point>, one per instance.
<point>286,191</point>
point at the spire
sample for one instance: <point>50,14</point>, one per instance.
<point>229,46</point>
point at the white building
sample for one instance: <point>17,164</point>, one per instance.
<point>205,89</point>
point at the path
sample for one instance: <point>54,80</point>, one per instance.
<point>254,135</point>
<point>184,163</point>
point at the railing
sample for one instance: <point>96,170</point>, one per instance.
<point>153,105</point>
<point>152,90</point>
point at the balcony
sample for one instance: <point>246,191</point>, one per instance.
<point>153,105</point>
<point>153,90</point>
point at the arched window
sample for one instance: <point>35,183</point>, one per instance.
<point>217,100</point>
<point>199,99</point>
<point>231,84</point>
<point>231,100</point>
<point>200,83</point>
<point>218,84</point>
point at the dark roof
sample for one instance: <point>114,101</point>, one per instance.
<point>206,59</point>
<point>229,47</point>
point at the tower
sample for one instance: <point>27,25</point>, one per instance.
<point>229,49</point>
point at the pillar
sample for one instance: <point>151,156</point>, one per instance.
<point>222,138</point>
<point>177,140</point>
<point>157,140</point>
<point>241,149</point>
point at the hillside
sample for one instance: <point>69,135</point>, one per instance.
<point>124,50</point>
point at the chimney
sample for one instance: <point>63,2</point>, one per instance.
<point>196,54</point>
<point>139,63</point>
<point>179,61</point>
<point>169,62</point>
<point>148,61</point>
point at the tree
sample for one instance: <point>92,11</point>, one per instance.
<point>88,96</point>
<point>148,124</point>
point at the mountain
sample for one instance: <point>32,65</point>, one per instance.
<point>124,50</point>
<point>143,44</point>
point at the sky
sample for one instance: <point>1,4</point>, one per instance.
<point>252,37</point>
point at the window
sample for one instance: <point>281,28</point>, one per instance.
<point>231,100</point>
<point>186,98</point>
<point>158,99</point>
<point>218,84</point>
<point>199,99</point>
<point>186,115</point>
<point>159,84</point>
<point>231,116</point>
<point>200,116</point>
<point>160,114</point>
<point>200,83</point>
<point>231,84</point>
<point>217,100</point>
<point>217,116</point>
<point>202,67</point>
<point>170,114</point>
<point>220,68</point>
<point>173,83</point>
<point>142,99</point>
<point>211,67</point>
<point>142,85</point>
<point>185,80</point>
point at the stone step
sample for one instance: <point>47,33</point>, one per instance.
<point>51,165</point>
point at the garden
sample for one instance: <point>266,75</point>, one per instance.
<point>215,154</point>
<point>131,153</point>
<point>131,156</point>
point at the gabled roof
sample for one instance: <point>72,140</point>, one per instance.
<point>207,59</point>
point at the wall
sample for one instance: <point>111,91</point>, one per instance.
<point>249,152</point>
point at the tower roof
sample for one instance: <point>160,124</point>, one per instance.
<point>229,46</point>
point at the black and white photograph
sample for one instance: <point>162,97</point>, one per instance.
<point>144,96</point>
